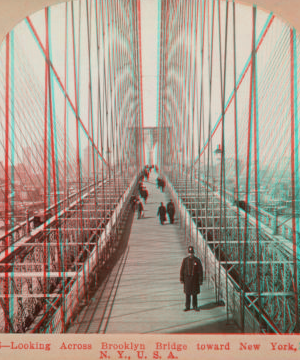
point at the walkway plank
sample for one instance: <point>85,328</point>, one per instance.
<point>147,296</point>
<point>150,298</point>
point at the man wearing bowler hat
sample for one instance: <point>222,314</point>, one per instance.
<point>191,275</point>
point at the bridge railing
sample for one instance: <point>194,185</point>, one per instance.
<point>264,217</point>
<point>67,305</point>
<point>25,228</point>
<point>225,280</point>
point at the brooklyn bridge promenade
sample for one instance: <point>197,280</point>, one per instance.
<point>86,102</point>
<point>143,293</point>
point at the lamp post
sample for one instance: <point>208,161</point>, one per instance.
<point>218,153</point>
<point>108,151</point>
<point>180,161</point>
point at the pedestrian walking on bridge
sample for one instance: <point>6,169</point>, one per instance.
<point>162,213</point>
<point>144,194</point>
<point>171,211</point>
<point>191,275</point>
<point>140,209</point>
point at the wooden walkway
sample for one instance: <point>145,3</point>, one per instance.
<point>146,295</point>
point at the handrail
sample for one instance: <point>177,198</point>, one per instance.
<point>68,199</point>
<point>88,266</point>
<point>266,215</point>
<point>236,287</point>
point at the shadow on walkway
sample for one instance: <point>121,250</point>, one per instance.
<point>210,306</point>
<point>217,327</point>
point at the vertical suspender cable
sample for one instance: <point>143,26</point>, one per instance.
<point>195,21</point>
<point>159,78</point>
<point>107,184</point>
<point>111,134</point>
<point>100,115</point>
<point>184,106</point>
<point>12,171</point>
<point>294,169</point>
<point>66,167</point>
<point>248,179</point>
<point>223,168</point>
<point>59,247</point>
<point>45,172</point>
<point>209,152</point>
<point>6,194</point>
<point>76,73</point>
<point>140,83</point>
<point>256,160</point>
<point>201,125</point>
<point>236,195</point>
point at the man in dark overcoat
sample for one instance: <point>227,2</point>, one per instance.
<point>191,275</point>
<point>158,182</point>
<point>140,209</point>
<point>171,211</point>
<point>144,194</point>
<point>162,213</point>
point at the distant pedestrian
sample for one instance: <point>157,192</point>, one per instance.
<point>191,275</point>
<point>171,211</point>
<point>144,194</point>
<point>162,213</point>
<point>161,184</point>
<point>134,200</point>
<point>158,182</point>
<point>140,209</point>
<point>140,186</point>
<point>146,173</point>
